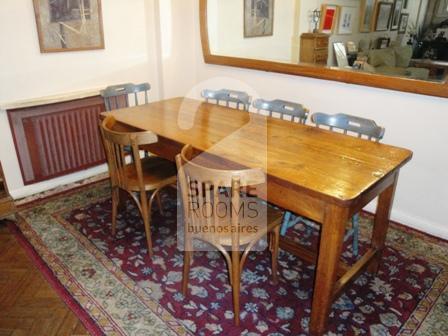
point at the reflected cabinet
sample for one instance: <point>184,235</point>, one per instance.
<point>314,48</point>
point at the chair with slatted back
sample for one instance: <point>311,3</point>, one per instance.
<point>362,128</point>
<point>142,175</point>
<point>119,96</point>
<point>285,110</point>
<point>217,212</point>
<point>240,99</point>
<point>294,112</point>
<point>347,123</point>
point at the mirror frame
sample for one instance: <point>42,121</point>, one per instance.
<point>326,73</point>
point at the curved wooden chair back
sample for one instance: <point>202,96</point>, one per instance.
<point>117,96</point>
<point>347,123</point>
<point>202,189</point>
<point>114,145</point>
<point>287,110</point>
<point>239,98</point>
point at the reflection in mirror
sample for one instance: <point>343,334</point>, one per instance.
<point>341,54</point>
<point>400,38</point>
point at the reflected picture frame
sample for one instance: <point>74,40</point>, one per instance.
<point>367,11</point>
<point>383,15</point>
<point>346,20</point>
<point>329,17</point>
<point>404,19</point>
<point>258,18</point>
<point>396,15</point>
<point>341,54</point>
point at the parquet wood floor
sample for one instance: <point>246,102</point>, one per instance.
<point>28,304</point>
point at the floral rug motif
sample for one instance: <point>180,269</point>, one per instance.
<point>127,293</point>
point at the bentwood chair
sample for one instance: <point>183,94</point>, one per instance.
<point>350,125</point>
<point>285,110</point>
<point>150,174</point>
<point>233,232</point>
<point>118,96</point>
<point>241,100</point>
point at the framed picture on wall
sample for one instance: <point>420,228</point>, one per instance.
<point>258,18</point>
<point>366,16</point>
<point>383,15</point>
<point>346,18</point>
<point>404,18</point>
<point>329,18</point>
<point>69,25</point>
<point>395,22</point>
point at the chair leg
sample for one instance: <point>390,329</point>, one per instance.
<point>186,271</point>
<point>115,202</point>
<point>146,215</point>
<point>236,286</point>
<point>285,222</point>
<point>274,254</point>
<point>159,203</point>
<point>355,224</point>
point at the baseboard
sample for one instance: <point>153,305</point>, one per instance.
<point>417,223</point>
<point>57,182</point>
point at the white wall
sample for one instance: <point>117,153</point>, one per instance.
<point>130,56</point>
<point>412,121</point>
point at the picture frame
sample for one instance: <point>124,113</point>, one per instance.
<point>69,25</point>
<point>346,20</point>
<point>395,20</point>
<point>382,42</point>
<point>383,15</point>
<point>329,18</point>
<point>404,19</point>
<point>367,11</point>
<point>258,18</point>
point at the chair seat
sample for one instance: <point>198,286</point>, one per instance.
<point>157,172</point>
<point>251,229</point>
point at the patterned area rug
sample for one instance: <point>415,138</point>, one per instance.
<point>126,293</point>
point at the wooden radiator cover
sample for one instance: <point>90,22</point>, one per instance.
<point>57,139</point>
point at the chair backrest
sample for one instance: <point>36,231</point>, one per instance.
<point>348,123</point>
<point>117,96</point>
<point>212,196</point>
<point>239,98</point>
<point>114,143</point>
<point>296,112</point>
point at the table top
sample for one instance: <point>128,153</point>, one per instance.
<point>325,163</point>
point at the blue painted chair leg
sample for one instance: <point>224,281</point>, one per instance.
<point>355,224</point>
<point>285,223</point>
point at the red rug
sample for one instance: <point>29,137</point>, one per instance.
<point>126,287</point>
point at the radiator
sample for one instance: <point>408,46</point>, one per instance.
<point>57,139</point>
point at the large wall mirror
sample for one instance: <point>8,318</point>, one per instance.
<point>394,44</point>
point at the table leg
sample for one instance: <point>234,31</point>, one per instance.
<point>381,223</point>
<point>330,248</point>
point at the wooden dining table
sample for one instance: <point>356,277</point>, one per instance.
<point>319,174</point>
